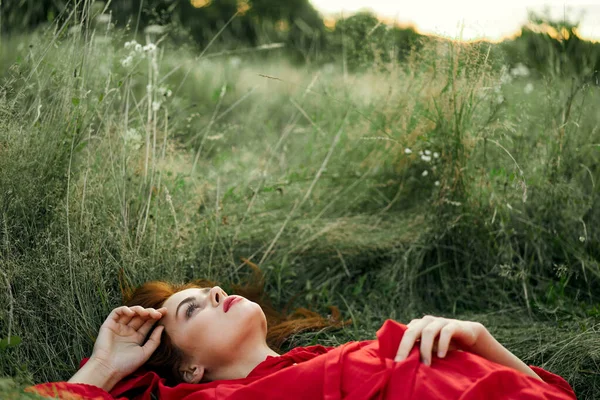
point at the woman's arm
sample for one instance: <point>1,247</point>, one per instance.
<point>489,348</point>
<point>471,336</point>
<point>97,374</point>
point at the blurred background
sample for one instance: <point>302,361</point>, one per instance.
<point>531,32</point>
<point>388,160</point>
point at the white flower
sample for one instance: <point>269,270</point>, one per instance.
<point>425,173</point>
<point>436,155</point>
<point>528,88</point>
<point>150,47</point>
<point>407,151</point>
<point>427,152</point>
<point>155,105</point>
<point>138,47</point>
<point>130,44</point>
<point>75,29</point>
<point>437,183</point>
<point>505,78</point>
<point>127,61</point>
<point>154,29</point>
<point>500,99</point>
<point>163,91</point>
<point>133,138</point>
<point>103,18</point>
<point>421,152</point>
<point>329,68</point>
<point>519,70</point>
<point>581,239</point>
<point>215,137</point>
<point>426,158</point>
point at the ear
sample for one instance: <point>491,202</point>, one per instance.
<point>193,374</point>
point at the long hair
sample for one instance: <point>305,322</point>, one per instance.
<point>167,358</point>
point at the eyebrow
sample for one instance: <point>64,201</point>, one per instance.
<point>188,299</point>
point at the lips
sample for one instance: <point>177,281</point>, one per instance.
<point>229,301</point>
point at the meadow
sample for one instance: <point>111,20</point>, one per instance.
<point>445,184</point>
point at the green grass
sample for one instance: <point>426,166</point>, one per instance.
<point>303,171</point>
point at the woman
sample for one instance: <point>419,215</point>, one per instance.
<point>216,346</point>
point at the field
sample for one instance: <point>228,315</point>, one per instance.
<point>442,185</point>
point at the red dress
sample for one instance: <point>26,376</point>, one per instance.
<point>355,370</point>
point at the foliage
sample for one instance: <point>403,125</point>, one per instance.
<point>554,48</point>
<point>364,41</point>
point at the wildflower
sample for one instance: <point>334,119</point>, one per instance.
<point>437,183</point>
<point>425,173</point>
<point>155,105</point>
<point>138,47</point>
<point>528,88</point>
<point>421,152</point>
<point>581,239</point>
<point>154,29</point>
<point>519,70</point>
<point>149,48</point>
<point>407,151</point>
<point>505,77</point>
<point>235,61</point>
<point>163,91</point>
<point>426,158</point>
<point>133,138</point>
<point>436,155</point>
<point>427,152</point>
<point>127,61</point>
<point>329,68</point>
<point>103,18</point>
<point>130,44</point>
<point>75,29</point>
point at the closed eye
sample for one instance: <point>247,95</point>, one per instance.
<point>190,308</point>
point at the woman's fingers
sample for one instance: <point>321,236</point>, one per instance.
<point>410,337</point>
<point>146,327</point>
<point>444,341</point>
<point>151,345</point>
<point>138,321</point>
<point>435,335</point>
<point>428,336</point>
<point>135,316</point>
<point>120,312</point>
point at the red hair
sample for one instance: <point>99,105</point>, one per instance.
<point>167,358</point>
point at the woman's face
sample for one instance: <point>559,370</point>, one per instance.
<point>198,325</point>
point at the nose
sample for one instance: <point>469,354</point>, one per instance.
<point>217,295</point>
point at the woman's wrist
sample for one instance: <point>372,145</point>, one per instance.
<point>96,373</point>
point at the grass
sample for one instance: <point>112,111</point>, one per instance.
<point>305,172</point>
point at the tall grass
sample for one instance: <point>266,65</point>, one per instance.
<point>166,165</point>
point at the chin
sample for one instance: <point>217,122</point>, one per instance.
<point>254,317</point>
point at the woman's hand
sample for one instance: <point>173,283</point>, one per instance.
<point>463,333</point>
<point>119,347</point>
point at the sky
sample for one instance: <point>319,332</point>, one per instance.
<point>489,19</point>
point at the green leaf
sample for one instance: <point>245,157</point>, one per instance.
<point>14,341</point>
<point>75,101</point>
<point>100,97</point>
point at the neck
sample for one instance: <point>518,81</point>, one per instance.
<point>242,367</point>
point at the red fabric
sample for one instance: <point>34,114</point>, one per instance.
<point>353,371</point>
